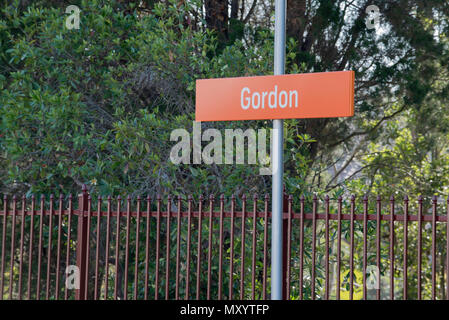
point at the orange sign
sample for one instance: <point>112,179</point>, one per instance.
<point>307,95</point>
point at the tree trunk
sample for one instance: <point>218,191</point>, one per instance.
<point>296,19</point>
<point>234,9</point>
<point>217,17</point>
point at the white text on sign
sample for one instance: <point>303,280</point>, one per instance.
<point>271,99</point>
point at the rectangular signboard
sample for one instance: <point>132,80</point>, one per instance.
<point>307,95</point>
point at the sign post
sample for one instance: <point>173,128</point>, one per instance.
<point>277,97</point>
<point>277,159</point>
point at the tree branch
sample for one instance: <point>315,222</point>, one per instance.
<point>361,133</point>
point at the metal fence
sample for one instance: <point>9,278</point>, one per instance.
<point>206,249</point>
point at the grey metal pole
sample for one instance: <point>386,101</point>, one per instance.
<point>278,163</point>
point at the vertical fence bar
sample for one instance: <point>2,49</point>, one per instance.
<point>147,246</point>
<point>242,250</point>
<point>404,262</point>
<point>447,248</point>
<point>434,255</point>
<point>136,257</point>
<point>117,245</point>
<point>265,248</point>
<point>339,207</point>
<point>22,231</point>
<point>378,213</point>
<point>13,239</point>
<point>198,257</point>
<point>81,244</point>
<point>289,248</point>
<point>231,249</point>
<point>189,229</point>
<point>106,254</point>
<point>50,233</point>
<point>89,216</point>
<point>314,208</point>
<point>30,249</point>
<point>392,248</point>
<point>167,250</point>
<point>220,249</point>
<point>209,252</point>
<point>58,249</point>
<point>351,250</point>
<point>178,248</point>
<point>420,200</point>
<point>69,233</point>
<point>97,248</point>
<point>128,226</point>
<point>301,247</point>
<point>284,244</point>
<point>365,243</point>
<point>326,261</point>
<point>158,232</point>
<point>5,214</point>
<point>253,256</point>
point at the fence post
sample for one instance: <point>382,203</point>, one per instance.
<point>284,247</point>
<point>81,244</point>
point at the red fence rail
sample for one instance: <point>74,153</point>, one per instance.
<point>141,251</point>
